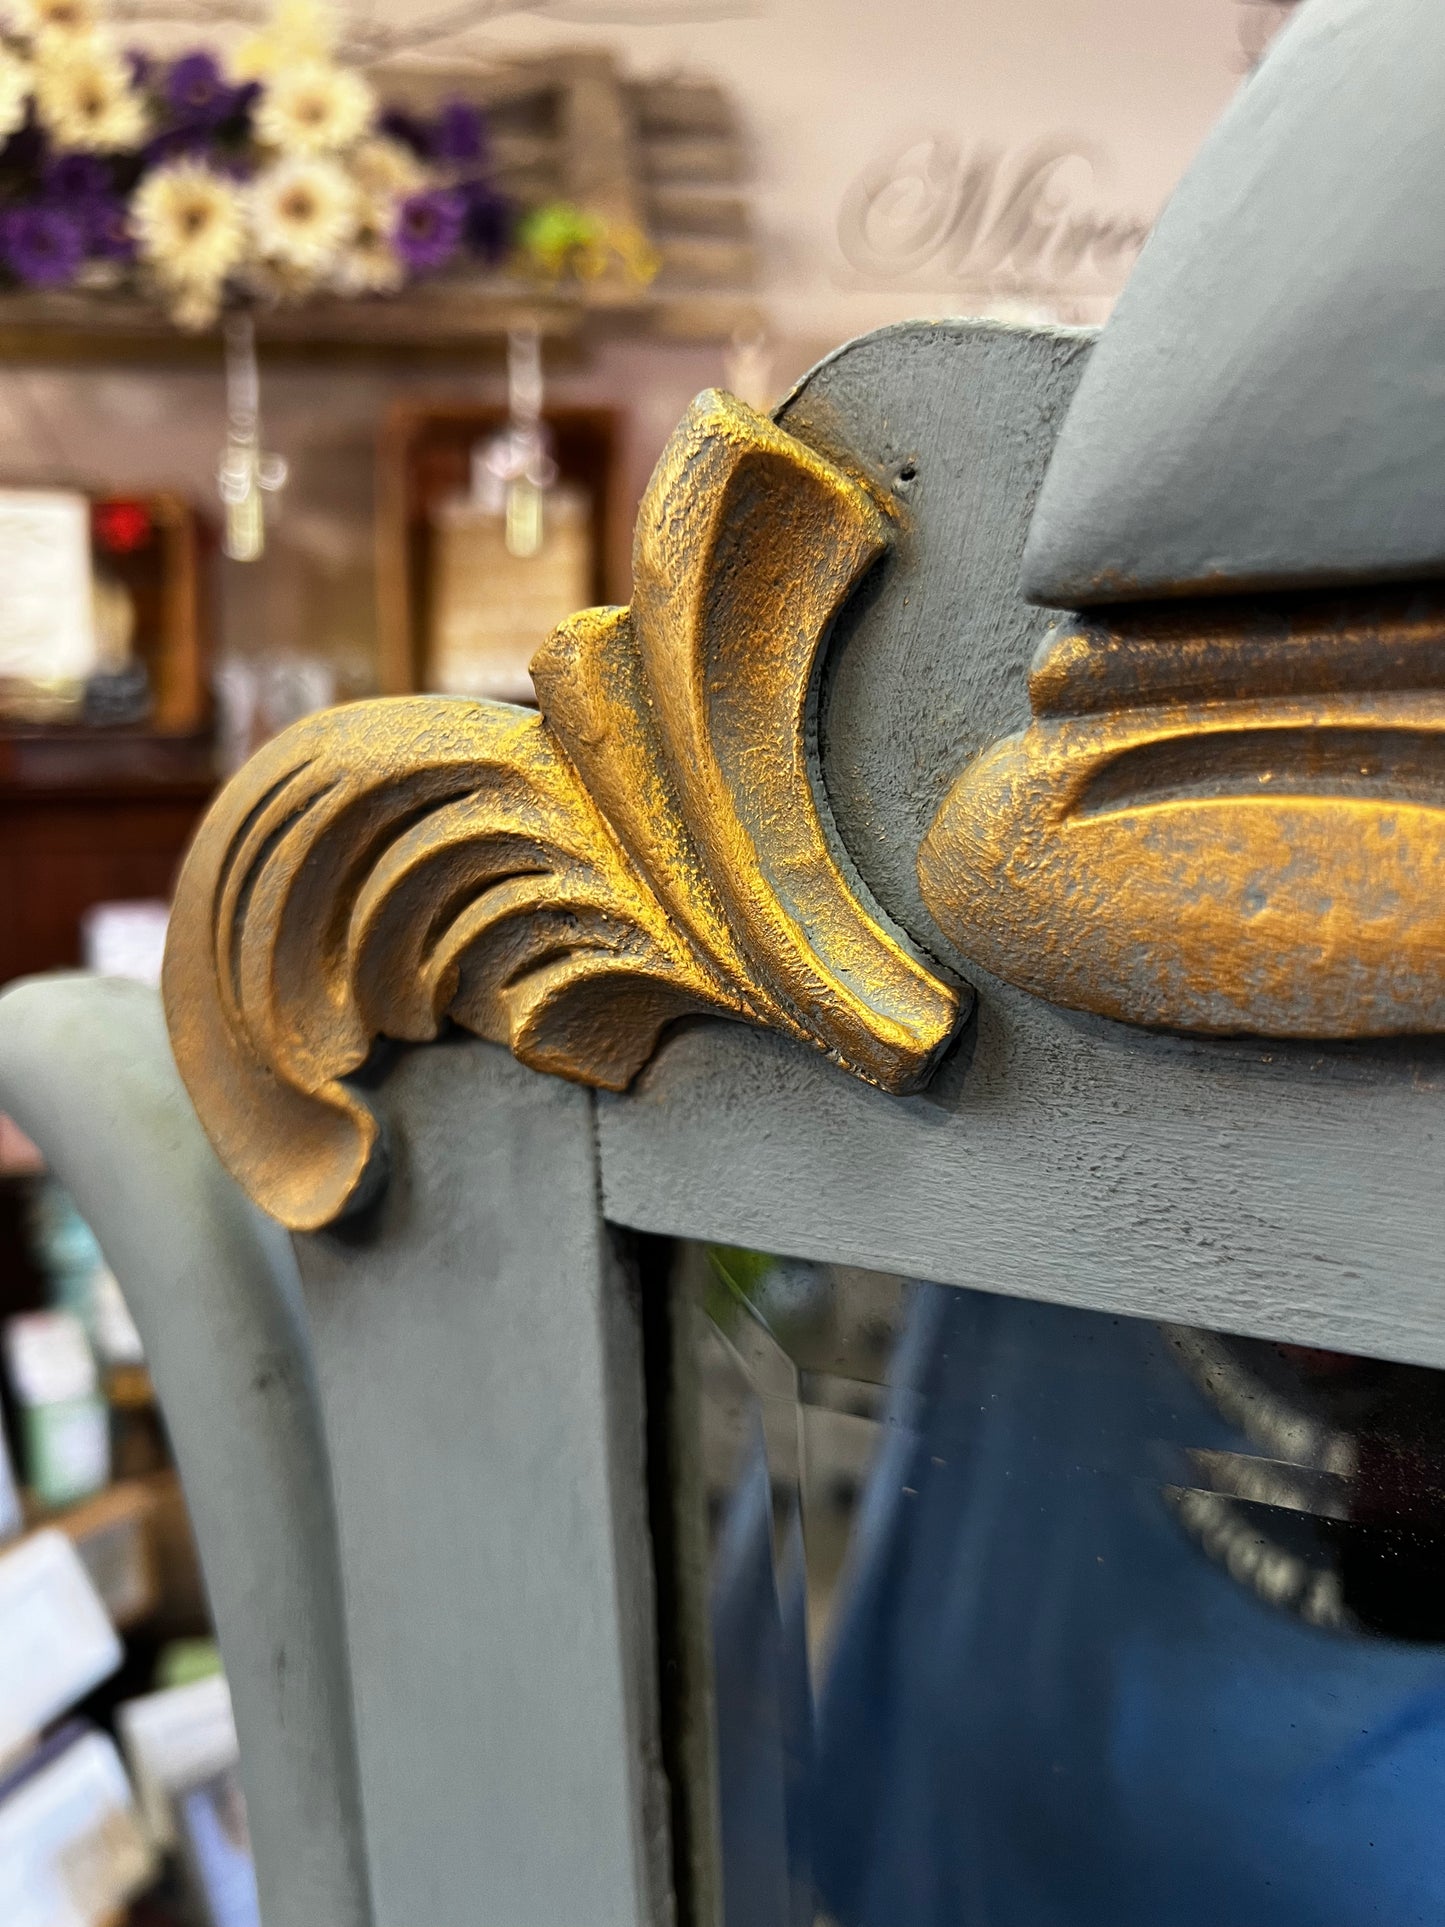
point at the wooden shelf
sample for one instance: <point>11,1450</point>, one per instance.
<point>114,1535</point>
<point>440,318</point>
<point>134,1539</point>
<point>71,758</point>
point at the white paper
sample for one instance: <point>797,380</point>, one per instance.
<point>56,1639</point>
<point>49,1358</point>
<point>125,939</point>
<point>47,623</point>
<point>72,1852</point>
<point>172,1739</point>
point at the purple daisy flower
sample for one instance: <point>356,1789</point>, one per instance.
<point>185,137</point>
<point>459,133</point>
<point>429,228</point>
<point>202,104</point>
<point>75,177</point>
<point>197,91</point>
<point>489,222</point>
<point>43,246</point>
<point>106,225</point>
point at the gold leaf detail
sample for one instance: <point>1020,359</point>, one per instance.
<point>650,845</point>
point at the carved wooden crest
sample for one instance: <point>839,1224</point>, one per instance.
<point>652,844</point>
<point>1224,818</point>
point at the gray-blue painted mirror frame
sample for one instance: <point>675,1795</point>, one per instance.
<point>429,1560</point>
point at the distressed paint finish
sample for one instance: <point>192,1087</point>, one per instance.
<point>1221,819</point>
<point>1284,1191</point>
<point>476,1345</point>
<point>478,1355</point>
<point>652,845</point>
<point>415,1472</point>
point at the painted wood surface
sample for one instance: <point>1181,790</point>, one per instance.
<point>478,1355</point>
<point>1264,410</point>
<point>929,663</point>
<point>476,1341</point>
<point>1275,1191</point>
<point>1283,1190</point>
<point>86,1070</point>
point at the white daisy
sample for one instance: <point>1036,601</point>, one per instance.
<point>84,96</point>
<point>313,108</point>
<point>369,264</point>
<point>298,30</point>
<point>384,169</point>
<point>303,211</point>
<point>63,19</point>
<point>190,225</point>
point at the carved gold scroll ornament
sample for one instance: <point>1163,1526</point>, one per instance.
<point>1225,818</point>
<point>651,845</point>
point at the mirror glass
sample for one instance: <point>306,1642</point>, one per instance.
<point>1021,1614</point>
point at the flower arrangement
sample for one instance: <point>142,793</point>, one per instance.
<point>272,176</point>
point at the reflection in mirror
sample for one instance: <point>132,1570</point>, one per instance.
<point>1025,1614</point>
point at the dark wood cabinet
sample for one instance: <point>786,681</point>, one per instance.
<point>87,817</point>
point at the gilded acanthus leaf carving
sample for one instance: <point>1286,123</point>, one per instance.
<point>651,844</point>
<point>1225,817</point>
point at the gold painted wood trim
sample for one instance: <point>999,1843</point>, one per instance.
<point>653,844</point>
<point>1224,819</point>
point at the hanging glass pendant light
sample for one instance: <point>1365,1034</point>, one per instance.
<point>512,471</point>
<point>247,474</point>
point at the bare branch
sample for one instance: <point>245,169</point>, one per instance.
<point>364,42</point>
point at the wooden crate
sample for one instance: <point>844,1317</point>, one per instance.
<point>664,157</point>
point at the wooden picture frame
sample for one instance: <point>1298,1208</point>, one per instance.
<point>148,592</point>
<point>165,577</point>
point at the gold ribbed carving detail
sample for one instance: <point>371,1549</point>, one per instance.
<point>652,844</point>
<point>1224,818</point>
